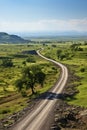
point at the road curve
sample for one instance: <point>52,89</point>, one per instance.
<point>37,118</point>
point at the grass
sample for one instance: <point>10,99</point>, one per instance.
<point>81,97</point>
<point>12,106</point>
<point>10,100</point>
<point>75,63</point>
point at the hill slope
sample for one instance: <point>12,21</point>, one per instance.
<point>6,38</point>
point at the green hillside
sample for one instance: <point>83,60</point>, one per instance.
<point>6,38</point>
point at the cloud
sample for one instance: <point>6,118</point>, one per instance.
<point>45,25</point>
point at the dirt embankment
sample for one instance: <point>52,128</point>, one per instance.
<point>70,117</point>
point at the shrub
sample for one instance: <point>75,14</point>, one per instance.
<point>80,49</point>
<point>54,46</point>
<point>5,111</point>
<point>82,69</point>
<point>24,62</point>
<point>30,59</point>
<point>7,63</point>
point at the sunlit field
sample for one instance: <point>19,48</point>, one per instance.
<point>10,99</point>
<point>77,62</point>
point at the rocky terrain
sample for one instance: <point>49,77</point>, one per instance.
<point>69,117</point>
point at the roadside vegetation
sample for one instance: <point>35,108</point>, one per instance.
<point>18,63</point>
<point>74,56</point>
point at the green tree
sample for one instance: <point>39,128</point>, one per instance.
<point>59,53</point>
<point>19,84</point>
<point>31,59</point>
<point>62,56</point>
<point>30,76</point>
<point>7,63</point>
<point>74,47</point>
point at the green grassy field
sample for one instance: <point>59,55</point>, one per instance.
<point>77,62</point>
<point>10,99</point>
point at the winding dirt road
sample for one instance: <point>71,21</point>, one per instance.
<point>37,118</point>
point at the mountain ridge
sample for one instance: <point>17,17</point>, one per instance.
<point>7,38</point>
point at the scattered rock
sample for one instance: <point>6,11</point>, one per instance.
<point>70,117</point>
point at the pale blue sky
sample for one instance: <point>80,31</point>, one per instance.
<point>43,15</point>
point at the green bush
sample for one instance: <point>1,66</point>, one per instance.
<point>30,59</point>
<point>82,69</point>
<point>5,111</point>
<point>7,63</point>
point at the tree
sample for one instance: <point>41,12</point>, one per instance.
<point>31,59</point>
<point>76,47</point>
<point>7,63</point>
<point>19,84</point>
<point>40,77</point>
<point>30,76</point>
<point>59,53</point>
<point>62,56</point>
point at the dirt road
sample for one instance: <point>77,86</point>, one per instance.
<point>37,119</point>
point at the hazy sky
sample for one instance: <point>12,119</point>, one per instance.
<point>43,15</point>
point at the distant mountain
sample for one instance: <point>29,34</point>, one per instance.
<point>49,34</point>
<point>7,38</point>
<point>59,36</point>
